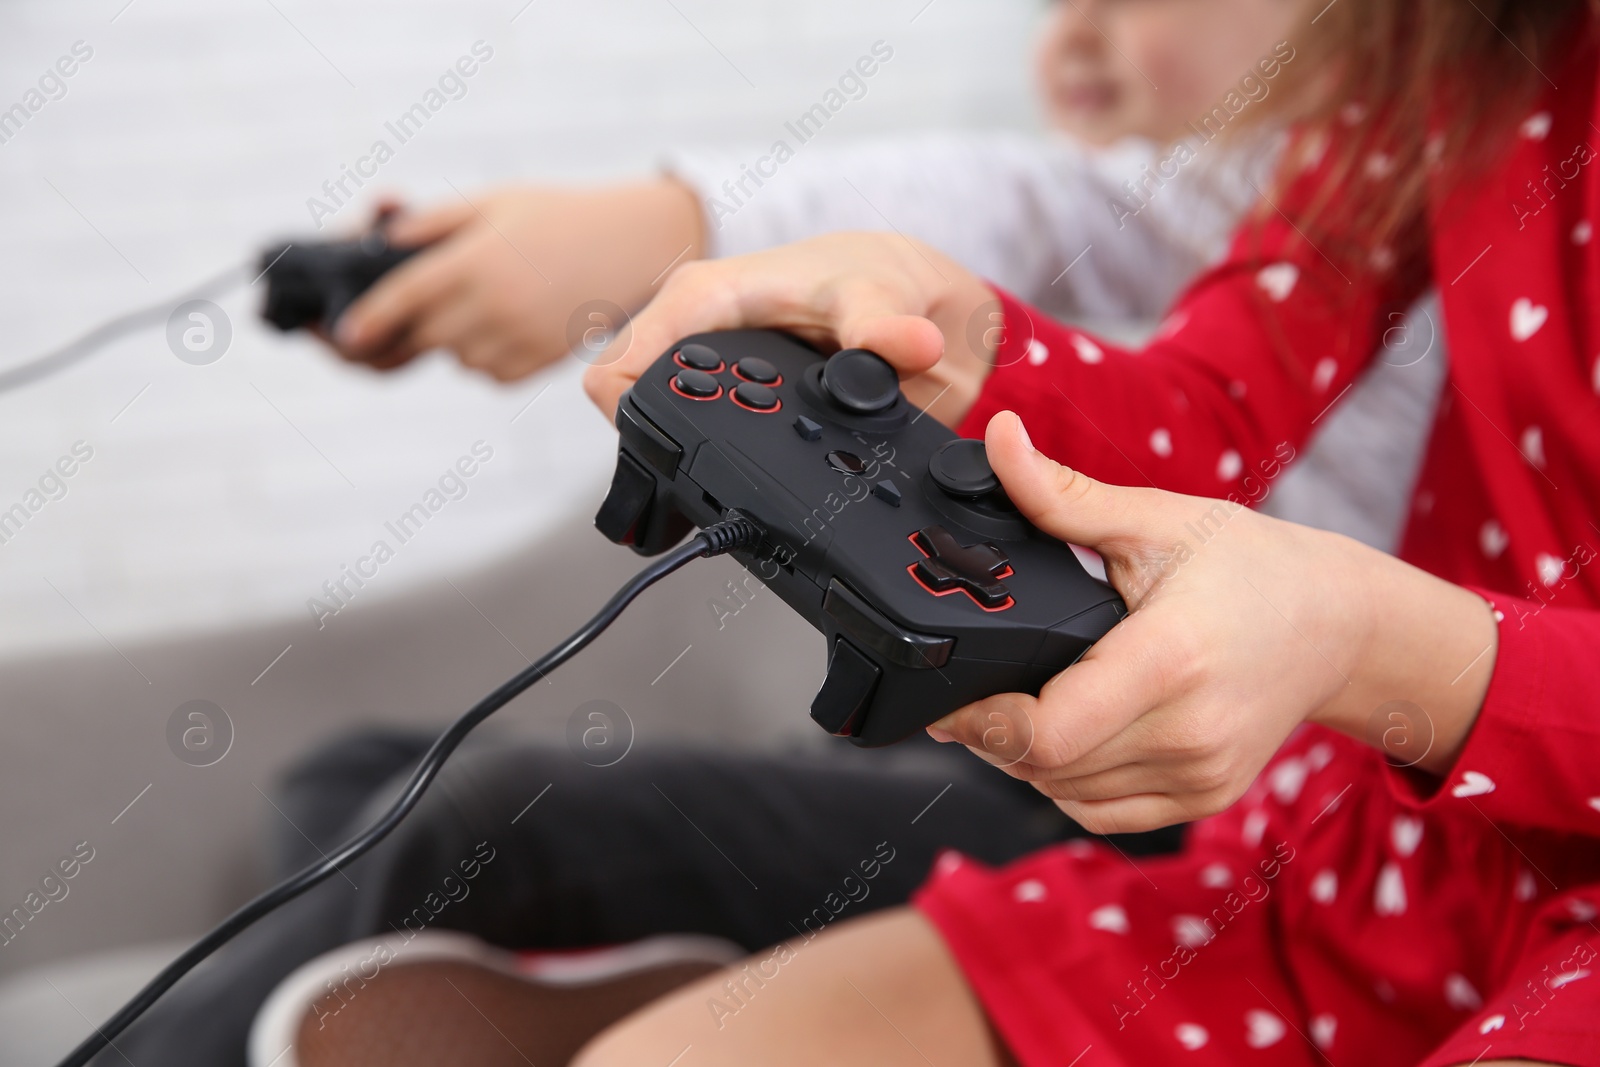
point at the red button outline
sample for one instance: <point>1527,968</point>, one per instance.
<point>733,396</point>
<point>752,381</point>
<point>672,383</point>
<point>677,357</point>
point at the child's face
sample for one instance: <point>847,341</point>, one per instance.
<point>1117,68</point>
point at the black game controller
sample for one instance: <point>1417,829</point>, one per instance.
<point>884,529</point>
<point>312,284</point>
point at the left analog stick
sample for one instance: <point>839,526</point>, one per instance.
<point>861,382</point>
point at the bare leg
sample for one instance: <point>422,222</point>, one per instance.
<point>881,990</point>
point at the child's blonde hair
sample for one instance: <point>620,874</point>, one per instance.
<point>1434,86</point>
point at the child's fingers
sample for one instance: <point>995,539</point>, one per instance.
<point>749,294</point>
<point>1064,503</point>
<point>407,229</point>
<point>695,299</point>
<point>1126,815</point>
<point>1000,729</point>
<point>400,298</point>
<point>397,350</point>
<point>881,323</point>
<point>394,357</point>
<point>457,325</point>
<point>1128,780</point>
<point>509,361</point>
<point>443,326</point>
<point>1078,712</point>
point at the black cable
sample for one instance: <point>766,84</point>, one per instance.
<point>734,532</point>
<point>59,359</point>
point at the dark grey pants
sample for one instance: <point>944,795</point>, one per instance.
<point>670,841</point>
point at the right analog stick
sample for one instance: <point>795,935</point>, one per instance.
<point>861,382</point>
<point>961,468</point>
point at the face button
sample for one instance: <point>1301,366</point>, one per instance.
<point>756,370</point>
<point>952,567</point>
<point>696,385</point>
<point>961,468</point>
<point>860,381</point>
<point>808,429</point>
<point>755,397</point>
<point>887,492</point>
<point>699,357</point>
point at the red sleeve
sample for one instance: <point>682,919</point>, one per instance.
<point>1530,758</point>
<point>1250,358</point>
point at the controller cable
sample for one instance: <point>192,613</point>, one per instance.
<point>86,345</point>
<point>736,531</point>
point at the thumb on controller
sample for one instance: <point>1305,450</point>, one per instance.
<point>1112,683</point>
<point>413,229</point>
<point>1065,503</point>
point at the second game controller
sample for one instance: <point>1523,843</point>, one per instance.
<point>311,284</point>
<point>885,530</point>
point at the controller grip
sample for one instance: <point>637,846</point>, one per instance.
<point>311,284</point>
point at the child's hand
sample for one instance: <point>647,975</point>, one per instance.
<point>1241,628</point>
<point>884,292</point>
<point>511,278</point>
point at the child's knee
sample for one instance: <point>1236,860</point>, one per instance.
<point>662,1031</point>
<point>623,1044</point>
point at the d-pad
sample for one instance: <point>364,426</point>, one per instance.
<point>951,566</point>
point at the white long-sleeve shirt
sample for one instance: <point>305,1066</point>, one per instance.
<point>1107,238</point>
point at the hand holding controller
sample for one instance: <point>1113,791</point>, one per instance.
<point>312,284</point>
<point>884,530</point>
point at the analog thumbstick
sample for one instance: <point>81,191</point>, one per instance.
<point>860,381</point>
<point>961,468</point>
